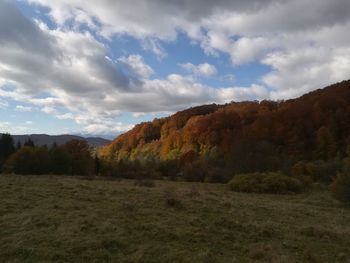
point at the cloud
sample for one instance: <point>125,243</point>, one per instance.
<point>9,127</point>
<point>22,108</point>
<point>136,65</point>
<point>72,68</point>
<point>299,71</point>
<point>79,78</point>
<point>3,104</point>
<point>141,18</point>
<point>248,31</point>
<point>49,110</point>
<point>204,69</point>
<point>107,128</point>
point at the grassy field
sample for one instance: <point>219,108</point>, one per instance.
<point>65,219</point>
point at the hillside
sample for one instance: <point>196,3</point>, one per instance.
<point>66,219</point>
<point>246,136</point>
<point>44,139</point>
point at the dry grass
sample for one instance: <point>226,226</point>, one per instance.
<point>64,219</point>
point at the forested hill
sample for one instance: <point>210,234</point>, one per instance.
<point>252,134</point>
<point>44,139</point>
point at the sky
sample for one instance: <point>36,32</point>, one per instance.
<point>99,67</point>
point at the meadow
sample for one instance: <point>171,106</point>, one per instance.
<point>77,219</point>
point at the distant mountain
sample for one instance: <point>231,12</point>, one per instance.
<point>249,135</point>
<point>44,139</point>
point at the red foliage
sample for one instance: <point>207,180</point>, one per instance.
<point>315,125</point>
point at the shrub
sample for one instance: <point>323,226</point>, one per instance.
<point>321,171</point>
<point>340,187</point>
<point>217,175</point>
<point>195,172</point>
<point>275,183</point>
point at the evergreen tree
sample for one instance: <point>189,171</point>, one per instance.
<point>29,142</point>
<point>82,162</point>
<point>97,165</point>
<point>60,160</point>
<point>19,145</point>
<point>7,148</point>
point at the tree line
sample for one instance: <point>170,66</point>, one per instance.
<point>74,158</point>
<point>215,142</point>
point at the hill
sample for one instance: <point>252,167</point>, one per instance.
<point>67,219</point>
<point>44,139</point>
<point>245,136</point>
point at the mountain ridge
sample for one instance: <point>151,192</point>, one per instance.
<point>45,139</point>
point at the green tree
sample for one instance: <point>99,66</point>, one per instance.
<point>60,160</point>
<point>7,148</point>
<point>29,142</point>
<point>82,162</point>
<point>97,165</point>
<point>29,160</point>
<point>19,145</point>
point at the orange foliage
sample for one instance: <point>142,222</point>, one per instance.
<point>315,125</point>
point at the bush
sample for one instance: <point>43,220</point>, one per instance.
<point>340,187</point>
<point>217,175</point>
<point>275,183</point>
<point>195,172</point>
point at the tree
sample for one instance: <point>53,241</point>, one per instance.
<point>81,161</point>
<point>341,187</point>
<point>326,146</point>
<point>97,165</point>
<point>7,148</point>
<point>29,160</point>
<point>19,145</point>
<point>60,160</point>
<point>29,142</point>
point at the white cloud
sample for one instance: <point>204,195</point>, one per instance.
<point>49,110</point>
<point>249,31</point>
<point>3,104</point>
<point>22,108</point>
<point>138,114</point>
<point>137,66</point>
<point>305,50</point>
<point>155,46</point>
<point>65,116</point>
<point>107,128</point>
<point>204,69</point>
<point>300,71</point>
<point>80,79</point>
<point>8,127</point>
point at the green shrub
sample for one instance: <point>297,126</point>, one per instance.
<point>275,183</point>
<point>340,187</point>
